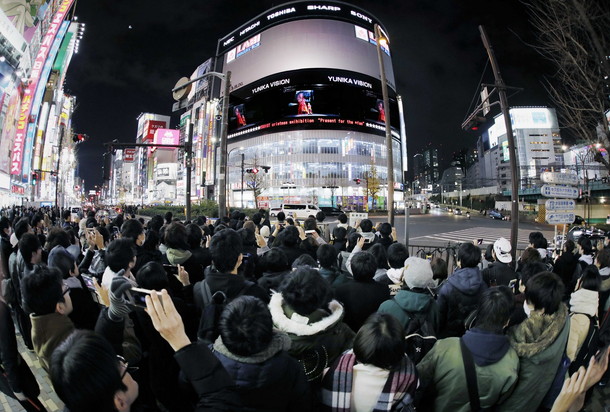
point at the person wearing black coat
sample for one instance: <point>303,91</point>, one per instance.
<point>288,240</point>
<point>225,248</point>
<point>499,272</point>
<point>178,252</point>
<point>363,295</point>
<point>255,356</point>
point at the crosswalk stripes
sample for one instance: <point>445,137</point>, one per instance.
<point>488,234</point>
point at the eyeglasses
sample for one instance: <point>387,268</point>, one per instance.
<point>125,365</point>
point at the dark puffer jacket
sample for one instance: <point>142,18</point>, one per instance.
<point>459,296</point>
<point>270,380</point>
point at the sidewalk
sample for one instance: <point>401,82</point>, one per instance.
<point>47,394</point>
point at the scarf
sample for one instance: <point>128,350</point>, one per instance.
<point>537,332</point>
<point>584,301</point>
<point>337,385</point>
<point>279,342</point>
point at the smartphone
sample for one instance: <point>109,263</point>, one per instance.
<point>600,353</point>
<point>310,232</point>
<point>89,282</point>
<point>171,269</point>
<point>116,230</point>
<point>479,241</point>
<point>512,283</point>
<point>138,296</point>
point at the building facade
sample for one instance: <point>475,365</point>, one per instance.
<point>306,103</point>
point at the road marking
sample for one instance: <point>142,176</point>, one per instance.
<point>489,235</point>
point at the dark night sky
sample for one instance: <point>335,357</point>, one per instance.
<point>437,54</point>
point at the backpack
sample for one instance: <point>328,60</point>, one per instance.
<point>460,306</point>
<point>212,307</point>
<point>419,336</point>
<point>589,346</point>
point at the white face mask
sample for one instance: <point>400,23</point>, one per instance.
<point>526,309</point>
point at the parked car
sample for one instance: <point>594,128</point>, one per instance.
<point>457,211</point>
<point>494,214</point>
<point>274,211</point>
<point>331,210</point>
<point>300,211</point>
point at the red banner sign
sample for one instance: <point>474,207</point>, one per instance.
<point>28,94</point>
<point>150,127</point>
<point>129,155</point>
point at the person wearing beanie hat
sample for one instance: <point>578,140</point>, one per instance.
<point>414,298</point>
<point>418,273</point>
<point>499,272</point>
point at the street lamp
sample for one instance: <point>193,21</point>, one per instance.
<point>380,38</point>
<point>179,92</point>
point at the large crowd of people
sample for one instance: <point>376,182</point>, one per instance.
<point>241,313</point>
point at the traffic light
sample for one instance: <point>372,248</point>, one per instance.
<point>34,178</point>
<point>357,181</point>
<point>78,137</point>
<point>266,168</point>
<point>254,170</point>
<point>474,123</point>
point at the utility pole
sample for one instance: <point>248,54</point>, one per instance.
<point>388,133</point>
<point>188,160</point>
<point>242,179</point>
<point>222,176</point>
<point>501,86</point>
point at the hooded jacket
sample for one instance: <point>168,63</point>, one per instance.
<point>496,366</point>
<point>583,303</point>
<point>322,333</point>
<point>185,258</point>
<point>466,285</point>
<point>412,302</point>
<point>270,380</point>
<point>540,342</point>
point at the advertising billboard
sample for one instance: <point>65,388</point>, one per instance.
<point>167,136</point>
<point>311,99</point>
<point>150,127</point>
<point>305,44</point>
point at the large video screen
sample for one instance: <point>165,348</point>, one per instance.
<point>315,99</point>
<point>305,44</point>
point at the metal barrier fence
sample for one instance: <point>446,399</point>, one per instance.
<point>448,253</point>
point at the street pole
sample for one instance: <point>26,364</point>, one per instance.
<point>388,132</point>
<point>189,166</point>
<point>222,176</point>
<point>242,179</point>
<point>514,230</point>
<point>61,139</point>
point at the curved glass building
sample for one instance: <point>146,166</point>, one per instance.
<point>306,102</point>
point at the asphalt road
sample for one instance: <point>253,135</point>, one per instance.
<point>439,228</point>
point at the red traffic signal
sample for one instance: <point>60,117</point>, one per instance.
<point>253,170</point>
<point>357,181</point>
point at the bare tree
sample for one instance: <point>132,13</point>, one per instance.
<point>256,181</point>
<point>373,183</point>
<point>575,36</point>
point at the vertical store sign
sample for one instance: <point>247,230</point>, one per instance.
<point>26,103</point>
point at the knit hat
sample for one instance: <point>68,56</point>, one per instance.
<point>502,250</point>
<point>418,273</point>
